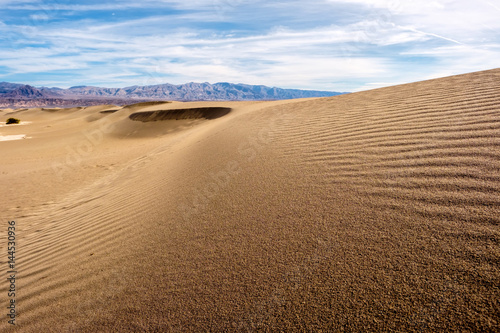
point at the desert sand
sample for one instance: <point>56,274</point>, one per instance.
<point>372,211</point>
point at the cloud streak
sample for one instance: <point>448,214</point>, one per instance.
<point>353,45</point>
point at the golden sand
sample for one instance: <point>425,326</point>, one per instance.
<point>373,211</point>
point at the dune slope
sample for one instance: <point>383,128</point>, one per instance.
<point>371,211</point>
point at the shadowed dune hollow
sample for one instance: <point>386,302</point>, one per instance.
<point>109,111</point>
<point>179,114</point>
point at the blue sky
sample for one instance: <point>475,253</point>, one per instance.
<point>335,45</point>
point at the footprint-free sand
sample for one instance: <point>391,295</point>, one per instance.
<point>372,211</point>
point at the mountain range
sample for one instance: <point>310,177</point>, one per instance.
<point>21,95</point>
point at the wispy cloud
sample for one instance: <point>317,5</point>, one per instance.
<point>323,44</point>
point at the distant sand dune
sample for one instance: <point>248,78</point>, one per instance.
<point>140,106</point>
<point>144,104</point>
<point>373,211</point>
<point>54,109</point>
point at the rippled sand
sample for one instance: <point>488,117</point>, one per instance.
<point>371,211</point>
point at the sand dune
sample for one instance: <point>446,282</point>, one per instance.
<point>372,211</point>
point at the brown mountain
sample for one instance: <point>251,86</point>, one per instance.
<point>15,95</point>
<point>26,91</point>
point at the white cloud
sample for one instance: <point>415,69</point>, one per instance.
<point>39,17</point>
<point>456,20</point>
<point>212,5</point>
<point>386,41</point>
<point>17,2</point>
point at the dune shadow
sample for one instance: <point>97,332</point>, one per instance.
<point>179,114</point>
<point>52,110</point>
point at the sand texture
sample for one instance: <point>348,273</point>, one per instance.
<point>373,211</point>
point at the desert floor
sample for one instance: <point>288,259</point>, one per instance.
<point>372,211</point>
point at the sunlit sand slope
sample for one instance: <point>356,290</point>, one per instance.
<point>372,211</point>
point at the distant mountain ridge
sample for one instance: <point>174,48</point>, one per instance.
<point>25,91</point>
<point>222,91</point>
<point>197,91</point>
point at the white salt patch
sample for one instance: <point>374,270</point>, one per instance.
<point>13,137</point>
